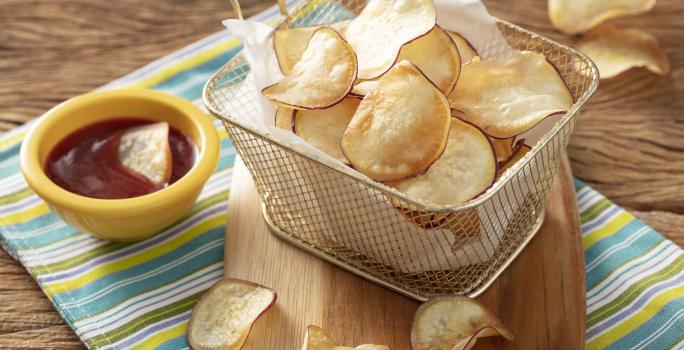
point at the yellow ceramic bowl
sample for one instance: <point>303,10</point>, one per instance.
<point>120,219</point>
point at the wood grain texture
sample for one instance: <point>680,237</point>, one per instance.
<point>670,225</point>
<point>540,296</point>
<point>627,143</point>
<point>27,318</point>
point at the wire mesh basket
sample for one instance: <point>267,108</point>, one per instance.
<point>375,231</point>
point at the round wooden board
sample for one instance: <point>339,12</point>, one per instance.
<point>540,296</point>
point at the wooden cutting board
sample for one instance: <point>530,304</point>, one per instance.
<point>540,296</point>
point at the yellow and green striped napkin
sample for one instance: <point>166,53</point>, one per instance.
<point>634,279</point>
<point>139,295</point>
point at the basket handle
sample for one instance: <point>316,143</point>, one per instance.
<point>238,10</point>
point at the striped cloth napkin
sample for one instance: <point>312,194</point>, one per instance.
<point>139,295</point>
<point>634,279</point>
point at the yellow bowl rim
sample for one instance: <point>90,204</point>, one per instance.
<point>61,198</point>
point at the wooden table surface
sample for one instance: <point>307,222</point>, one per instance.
<point>628,144</point>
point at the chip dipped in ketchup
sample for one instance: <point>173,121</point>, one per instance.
<point>120,158</point>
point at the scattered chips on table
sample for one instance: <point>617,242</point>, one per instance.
<point>508,96</point>
<point>322,77</point>
<point>454,323</point>
<point>616,50</point>
<point>400,127</point>
<point>223,316</point>
<point>316,339</point>
<point>577,16</point>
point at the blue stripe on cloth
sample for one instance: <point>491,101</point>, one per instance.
<point>634,306</point>
<point>652,335</point>
<point>629,271</point>
<point>151,329</point>
<point>198,75</point>
<point>19,229</point>
<point>137,247</point>
<point>49,237</point>
<point>174,343</point>
<point>211,274</point>
<point>639,247</point>
<point>601,219</point>
<point>10,152</point>
<point>213,252</point>
<point>9,168</point>
<point>19,205</point>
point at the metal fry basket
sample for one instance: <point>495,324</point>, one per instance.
<point>377,232</point>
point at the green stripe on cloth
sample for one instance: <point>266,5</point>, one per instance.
<point>634,279</point>
<point>139,295</point>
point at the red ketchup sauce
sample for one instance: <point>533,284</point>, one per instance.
<point>87,162</point>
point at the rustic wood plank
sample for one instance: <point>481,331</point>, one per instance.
<point>540,296</point>
<point>52,337</point>
<point>27,318</point>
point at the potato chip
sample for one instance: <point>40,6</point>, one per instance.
<point>465,169</point>
<point>577,16</point>
<point>452,323</point>
<point>324,75</point>
<point>469,342</point>
<point>503,148</point>
<point>316,339</point>
<point>464,224</point>
<point>341,26</point>
<point>400,128</point>
<point>519,151</point>
<point>466,51</point>
<point>145,150</point>
<point>616,50</point>
<point>323,128</point>
<point>284,118</point>
<point>508,96</point>
<point>223,317</point>
<point>435,54</point>
<point>289,43</point>
<point>383,27</point>
<point>364,87</point>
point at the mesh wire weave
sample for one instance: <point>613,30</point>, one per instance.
<point>419,250</point>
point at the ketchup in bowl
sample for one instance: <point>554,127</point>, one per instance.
<point>87,161</point>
